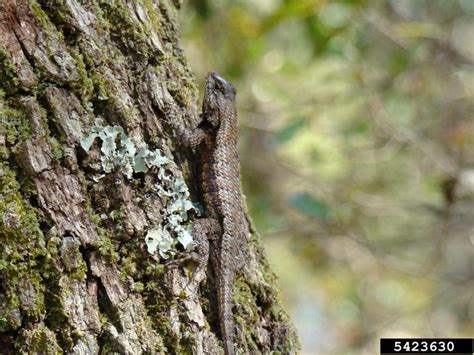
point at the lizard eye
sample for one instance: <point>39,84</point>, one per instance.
<point>219,86</point>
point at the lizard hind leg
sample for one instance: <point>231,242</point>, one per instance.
<point>203,230</point>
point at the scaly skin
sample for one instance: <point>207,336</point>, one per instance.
<point>216,140</point>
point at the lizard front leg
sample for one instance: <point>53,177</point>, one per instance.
<point>189,138</point>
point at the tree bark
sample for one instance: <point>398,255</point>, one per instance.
<point>76,275</point>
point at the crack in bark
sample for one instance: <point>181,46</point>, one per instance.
<point>27,55</point>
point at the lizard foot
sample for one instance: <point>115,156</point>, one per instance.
<point>203,230</point>
<point>185,258</point>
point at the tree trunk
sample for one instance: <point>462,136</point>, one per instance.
<point>88,173</point>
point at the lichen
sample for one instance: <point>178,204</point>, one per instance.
<point>120,154</point>
<point>118,151</point>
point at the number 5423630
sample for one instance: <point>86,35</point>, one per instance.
<point>422,346</point>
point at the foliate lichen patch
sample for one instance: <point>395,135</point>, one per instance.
<point>114,156</point>
<point>119,153</point>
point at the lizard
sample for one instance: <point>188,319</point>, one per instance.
<point>222,235</point>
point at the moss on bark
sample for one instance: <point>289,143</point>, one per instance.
<point>75,274</point>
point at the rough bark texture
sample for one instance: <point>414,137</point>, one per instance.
<point>74,271</point>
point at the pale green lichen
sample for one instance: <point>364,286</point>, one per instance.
<point>160,239</point>
<point>119,153</point>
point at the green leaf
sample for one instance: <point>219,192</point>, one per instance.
<point>356,129</point>
<point>310,206</point>
<point>290,130</point>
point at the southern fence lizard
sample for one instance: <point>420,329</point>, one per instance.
<point>222,235</point>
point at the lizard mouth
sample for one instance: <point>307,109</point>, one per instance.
<point>217,83</point>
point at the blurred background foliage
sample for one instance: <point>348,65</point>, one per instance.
<point>357,149</point>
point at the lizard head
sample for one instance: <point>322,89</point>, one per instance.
<point>219,94</point>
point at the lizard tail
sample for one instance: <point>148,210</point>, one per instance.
<point>226,318</point>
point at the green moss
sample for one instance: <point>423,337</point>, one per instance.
<point>9,82</point>
<point>56,318</point>
<point>24,256</point>
<point>19,220</point>
<point>4,153</point>
<point>14,124</point>
<point>101,86</point>
<point>154,16</point>
<point>51,11</point>
<point>187,341</point>
<point>57,148</point>
<point>105,245</point>
<point>95,218</point>
<point>266,296</point>
<point>130,34</point>
<point>86,85</point>
<point>48,30</point>
<point>138,287</point>
<point>38,340</point>
<point>247,312</point>
<point>10,316</point>
<point>40,15</point>
<point>80,272</point>
<point>108,99</point>
<point>28,261</point>
<point>158,303</point>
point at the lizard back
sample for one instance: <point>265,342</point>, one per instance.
<point>222,193</point>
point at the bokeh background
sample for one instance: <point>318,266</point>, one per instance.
<point>357,149</point>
